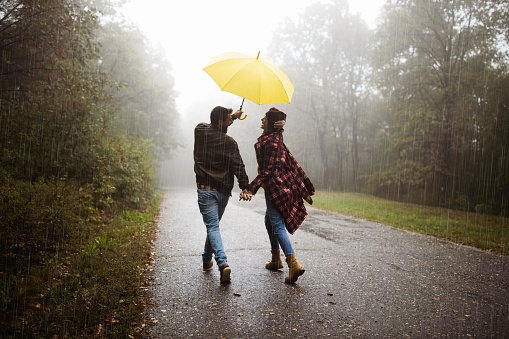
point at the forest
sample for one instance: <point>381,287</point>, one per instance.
<point>87,110</point>
<point>416,110</point>
<point>86,104</point>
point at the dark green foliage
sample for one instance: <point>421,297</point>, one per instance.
<point>65,271</point>
<point>47,90</point>
<point>414,110</point>
<point>38,221</point>
<point>56,116</point>
<point>441,70</point>
<point>123,173</point>
<point>68,166</point>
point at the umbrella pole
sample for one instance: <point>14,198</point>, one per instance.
<point>245,115</point>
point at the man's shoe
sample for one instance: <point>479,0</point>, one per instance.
<point>225,273</point>
<point>208,267</point>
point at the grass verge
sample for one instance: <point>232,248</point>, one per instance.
<point>486,232</point>
<point>93,285</point>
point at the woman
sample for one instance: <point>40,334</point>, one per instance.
<point>285,185</point>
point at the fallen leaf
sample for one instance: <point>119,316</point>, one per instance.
<point>240,314</point>
<point>236,294</point>
<point>331,294</point>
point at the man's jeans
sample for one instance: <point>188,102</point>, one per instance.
<point>276,229</point>
<point>212,205</point>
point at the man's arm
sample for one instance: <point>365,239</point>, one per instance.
<point>239,170</point>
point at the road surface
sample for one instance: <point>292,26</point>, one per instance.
<point>362,280</point>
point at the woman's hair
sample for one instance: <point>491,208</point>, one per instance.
<point>219,113</point>
<point>272,116</point>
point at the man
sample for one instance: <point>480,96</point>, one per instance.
<point>216,161</point>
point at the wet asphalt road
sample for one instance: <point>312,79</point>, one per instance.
<point>362,280</point>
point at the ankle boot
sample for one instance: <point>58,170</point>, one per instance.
<point>276,262</point>
<point>225,272</point>
<point>296,269</point>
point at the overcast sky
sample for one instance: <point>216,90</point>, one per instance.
<point>194,31</point>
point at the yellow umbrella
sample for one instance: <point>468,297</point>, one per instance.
<point>255,79</point>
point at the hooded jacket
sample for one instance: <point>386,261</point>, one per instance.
<point>283,179</point>
<point>217,159</point>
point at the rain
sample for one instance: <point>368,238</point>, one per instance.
<point>399,117</point>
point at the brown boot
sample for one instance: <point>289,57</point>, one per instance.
<point>296,269</point>
<point>225,274</point>
<point>276,262</point>
<point>208,267</point>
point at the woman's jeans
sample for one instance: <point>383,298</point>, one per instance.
<point>276,229</point>
<point>212,205</point>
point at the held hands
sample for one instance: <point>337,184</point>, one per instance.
<point>245,195</point>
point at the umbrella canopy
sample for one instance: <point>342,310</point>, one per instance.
<point>250,77</point>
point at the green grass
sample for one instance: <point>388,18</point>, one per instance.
<point>94,285</point>
<point>479,230</point>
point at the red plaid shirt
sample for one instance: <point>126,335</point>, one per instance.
<point>283,179</point>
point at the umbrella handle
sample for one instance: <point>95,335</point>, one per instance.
<point>245,115</point>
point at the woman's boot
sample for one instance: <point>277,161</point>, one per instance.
<point>296,269</point>
<point>276,262</point>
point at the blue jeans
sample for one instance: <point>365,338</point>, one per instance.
<point>212,205</point>
<point>276,229</point>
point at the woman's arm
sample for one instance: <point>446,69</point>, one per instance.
<point>267,160</point>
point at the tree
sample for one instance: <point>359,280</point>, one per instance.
<point>326,53</point>
<point>141,86</point>
<point>47,90</point>
<point>57,117</point>
<point>435,62</point>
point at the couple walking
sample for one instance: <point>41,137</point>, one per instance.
<point>217,160</point>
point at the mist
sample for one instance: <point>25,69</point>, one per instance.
<point>403,101</point>
<point>384,110</point>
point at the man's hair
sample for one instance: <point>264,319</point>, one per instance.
<point>219,113</point>
<point>272,116</point>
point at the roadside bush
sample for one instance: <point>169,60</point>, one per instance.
<point>123,173</point>
<point>37,219</point>
<point>38,216</point>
